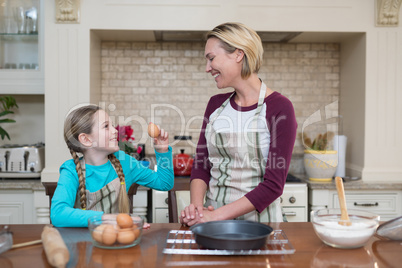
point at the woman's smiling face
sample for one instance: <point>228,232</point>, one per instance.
<point>223,66</point>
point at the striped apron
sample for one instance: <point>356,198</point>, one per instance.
<point>238,166</point>
<point>105,199</point>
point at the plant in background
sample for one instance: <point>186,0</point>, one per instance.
<point>320,143</point>
<point>126,138</point>
<point>8,102</point>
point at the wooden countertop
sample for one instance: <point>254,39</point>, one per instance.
<point>310,251</point>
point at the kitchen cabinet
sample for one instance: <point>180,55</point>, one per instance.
<point>16,207</point>
<point>386,203</point>
<point>23,206</point>
<point>21,49</point>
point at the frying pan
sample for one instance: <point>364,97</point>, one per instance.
<point>231,234</point>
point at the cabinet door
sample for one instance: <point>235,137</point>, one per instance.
<point>161,215</point>
<point>21,68</point>
<point>16,207</point>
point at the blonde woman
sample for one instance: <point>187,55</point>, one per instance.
<point>246,139</point>
<point>98,181</point>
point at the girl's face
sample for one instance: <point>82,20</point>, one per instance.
<point>104,135</point>
<point>224,67</point>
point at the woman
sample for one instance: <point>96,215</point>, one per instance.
<point>247,136</point>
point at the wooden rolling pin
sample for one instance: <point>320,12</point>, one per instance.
<point>56,250</point>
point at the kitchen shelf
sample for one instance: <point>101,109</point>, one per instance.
<point>10,36</point>
<point>21,56</point>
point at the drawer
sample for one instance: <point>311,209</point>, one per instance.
<point>160,199</point>
<point>382,204</point>
<point>295,214</point>
<point>294,195</point>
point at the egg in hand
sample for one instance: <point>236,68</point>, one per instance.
<point>153,130</point>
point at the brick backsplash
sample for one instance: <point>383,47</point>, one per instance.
<point>166,83</point>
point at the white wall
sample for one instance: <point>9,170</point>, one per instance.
<point>29,127</point>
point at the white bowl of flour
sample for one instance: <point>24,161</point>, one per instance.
<point>326,226</point>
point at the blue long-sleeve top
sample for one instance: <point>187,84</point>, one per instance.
<point>62,211</point>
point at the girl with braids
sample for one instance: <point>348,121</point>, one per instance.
<point>96,180</point>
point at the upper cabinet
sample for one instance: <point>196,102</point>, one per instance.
<point>21,47</point>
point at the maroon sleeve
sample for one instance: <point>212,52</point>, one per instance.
<point>282,125</point>
<point>201,165</point>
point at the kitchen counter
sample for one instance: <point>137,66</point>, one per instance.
<point>310,251</point>
<point>355,185</point>
<point>21,184</point>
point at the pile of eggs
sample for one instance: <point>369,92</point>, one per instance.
<point>125,231</point>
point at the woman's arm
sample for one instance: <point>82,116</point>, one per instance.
<point>227,212</point>
<point>198,189</point>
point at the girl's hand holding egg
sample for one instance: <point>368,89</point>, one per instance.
<point>160,136</point>
<point>153,130</point>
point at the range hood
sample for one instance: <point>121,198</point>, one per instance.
<point>181,36</point>
<point>200,35</point>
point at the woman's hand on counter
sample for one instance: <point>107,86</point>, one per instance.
<point>191,214</point>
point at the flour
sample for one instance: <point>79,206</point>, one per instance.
<point>355,235</point>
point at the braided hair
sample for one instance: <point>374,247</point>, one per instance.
<point>80,121</point>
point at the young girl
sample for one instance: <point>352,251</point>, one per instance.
<point>98,181</point>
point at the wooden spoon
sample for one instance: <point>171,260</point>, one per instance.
<point>342,203</point>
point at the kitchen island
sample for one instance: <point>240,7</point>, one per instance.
<point>310,251</point>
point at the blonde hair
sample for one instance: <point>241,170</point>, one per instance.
<point>234,35</point>
<point>80,121</point>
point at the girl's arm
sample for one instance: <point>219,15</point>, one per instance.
<point>62,211</point>
<point>162,179</point>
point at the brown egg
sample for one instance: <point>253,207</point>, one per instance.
<point>153,130</point>
<point>97,233</point>
<point>126,236</point>
<point>136,231</point>
<point>124,220</point>
<point>109,235</point>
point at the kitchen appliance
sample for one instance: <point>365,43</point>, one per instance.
<point>182,164</point>
<point>22,161</point>
<point>182,161</point>
<point>391,229</point>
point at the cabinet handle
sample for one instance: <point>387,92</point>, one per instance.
<point>366,204</point>
<point>167,201</point>
<point>289,213</point>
